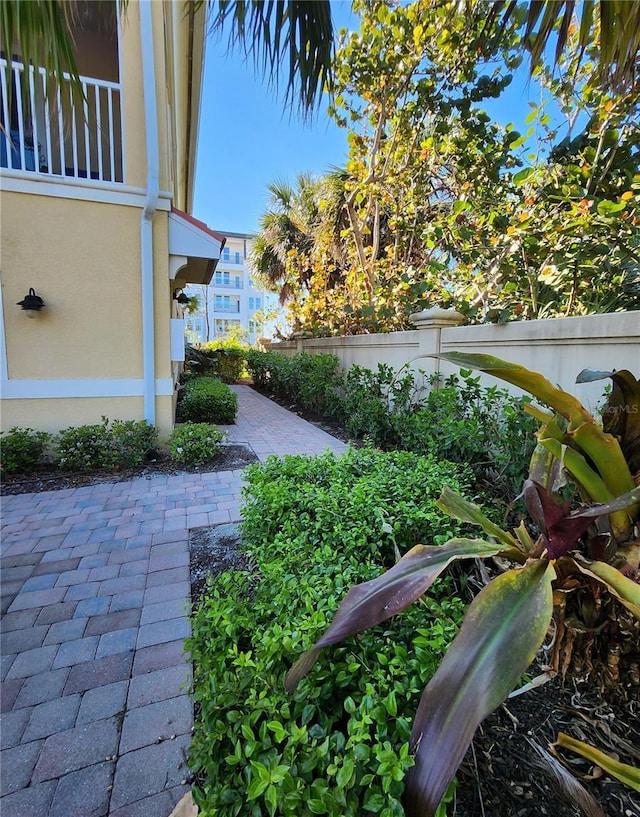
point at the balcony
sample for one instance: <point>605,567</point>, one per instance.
<point>233,309</point>
<point>226,284</point>
<point>231,257</point>
<point>45,130</point>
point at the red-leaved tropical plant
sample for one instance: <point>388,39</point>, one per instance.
<point>567,559</point>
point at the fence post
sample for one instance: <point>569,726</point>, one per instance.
<point>299,339</point>
<point>429,324</point>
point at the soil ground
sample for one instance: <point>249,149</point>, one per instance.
<point>49,478</point>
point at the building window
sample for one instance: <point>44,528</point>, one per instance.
<point>238,284</point>
<point>252,327</point>
<point>257,303</point>
<point>223,279</point>
<point>251,304</point>
<point>238,258</point>
<point>222,326</point>
<point>226,254</point>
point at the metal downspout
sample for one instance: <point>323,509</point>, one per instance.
<point>149,211</point>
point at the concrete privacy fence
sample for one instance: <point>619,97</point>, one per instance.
<point>559,348</point>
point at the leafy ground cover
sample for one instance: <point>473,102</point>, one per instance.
<point>311,526</point>
<point>496,777</point>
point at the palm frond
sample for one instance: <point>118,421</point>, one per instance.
<point>297,34</point>
<point>618,64</point>
<point>39,33</point>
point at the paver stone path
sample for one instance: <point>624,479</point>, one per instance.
<point>96,716</point>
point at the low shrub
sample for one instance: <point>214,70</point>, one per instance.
<point>484,427</point>
<point>21,449</point>
<point>310,380</point>
<point>259,366</point>
<point>368,400</point>
<point>225,361</point>
<point>459,420</point>
<point>312,527</point>
<point>195,443</point>
<point>208,400</point>
<point>126,443</point>
<point>229,362</point>
<point>133,441</point>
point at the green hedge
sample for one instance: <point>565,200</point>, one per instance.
<point>310,380</point>
<point>109,444</point>
<point>339,745</point>
<point>461,420</point>
<point>21,449</point>
<point>208,400</point>
<point>195,443</point>
<point>224,362</point>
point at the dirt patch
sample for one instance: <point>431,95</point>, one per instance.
<point>212,551</point>
<point>49,478</point>
<point>505,775</point>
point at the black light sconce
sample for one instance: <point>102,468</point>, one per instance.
<point>180,297</point>
<point>31,303</point>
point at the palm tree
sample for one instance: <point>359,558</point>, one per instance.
<point>287,227</point>
<point>295,37</point>
<point>41,30</point>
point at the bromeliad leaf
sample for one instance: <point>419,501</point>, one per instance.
<point>572,790</point>
<point>373,602</point>
<point>503,629</point>
<point>621,414</point>
<point>623,588</point>
<point>562,529</point>
<point>453,504</point>
<point>564,403</point>
<point>603,449</point>
<point>629,775</point>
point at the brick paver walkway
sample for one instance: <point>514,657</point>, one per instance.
<point>95,718</point>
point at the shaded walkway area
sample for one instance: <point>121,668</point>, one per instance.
<point>96,719</point>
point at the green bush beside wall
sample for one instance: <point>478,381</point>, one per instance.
<point>209,400</point>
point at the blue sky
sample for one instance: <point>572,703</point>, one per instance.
<point>247,140</point>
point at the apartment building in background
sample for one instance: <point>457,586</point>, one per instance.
<point>232,299</point>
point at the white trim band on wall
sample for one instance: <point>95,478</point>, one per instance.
<point>62,389</point>
<point>105,192</point>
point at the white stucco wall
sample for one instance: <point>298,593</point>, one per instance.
<point>559,348</point>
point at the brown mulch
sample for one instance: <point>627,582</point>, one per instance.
<point>505,775</point>
<point>49,478</point>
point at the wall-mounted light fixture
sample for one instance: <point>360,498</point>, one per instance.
<point>180,297</point>
<point>31,303</point>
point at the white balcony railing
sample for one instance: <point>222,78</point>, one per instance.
<point>42,131</point>
<point>217,284</point>
<point>233,308</point>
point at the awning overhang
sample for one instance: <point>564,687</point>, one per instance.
<point>194,249</point>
